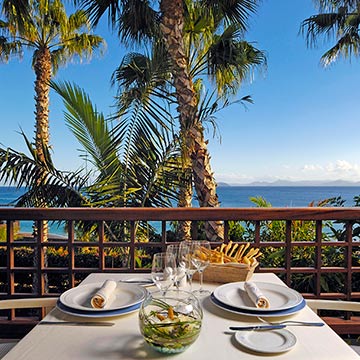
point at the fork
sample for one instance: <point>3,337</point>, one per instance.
<point>292,322</point>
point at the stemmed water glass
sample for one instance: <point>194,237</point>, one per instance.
<point>200,257</point>
<point>163,271</point>
<point>180,264</point>
<point>185,251</point>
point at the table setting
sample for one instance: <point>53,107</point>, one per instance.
<point>262,300</point>
<point>162,314</point>
<point>116,298</point>
<point>234,298</point>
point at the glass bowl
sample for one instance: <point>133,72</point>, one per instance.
<point>170,323</point>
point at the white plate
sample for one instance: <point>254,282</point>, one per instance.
<point>267,342</point>
<point>256,313</point>
<point>124,295</point>
<point>92,314</point>
<point>280,297</point>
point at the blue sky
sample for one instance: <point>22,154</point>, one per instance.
<point>303,124</point>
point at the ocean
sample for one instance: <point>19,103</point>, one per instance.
<point>285,196</point>
<point>234,196</point>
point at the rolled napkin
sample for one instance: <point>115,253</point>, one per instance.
<point>103,295</point>
<point>256,296</point>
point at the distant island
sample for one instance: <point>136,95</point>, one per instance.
<point>297,183</point>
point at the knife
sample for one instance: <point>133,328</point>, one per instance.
<point>137,281</point>
<point>257,327</point>
<point>76,323</point>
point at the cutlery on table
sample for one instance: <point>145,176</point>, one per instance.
<point>257,327</point>
<point>76,323</point>
<point>292,323</point>
<point>145,281</point>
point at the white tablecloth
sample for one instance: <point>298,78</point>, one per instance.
<point>124,341</point>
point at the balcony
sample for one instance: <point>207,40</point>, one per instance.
<point>315,250</point>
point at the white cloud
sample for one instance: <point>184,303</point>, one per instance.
<point>311,167</point>
<point>343,166</point>
<point>340,169</point>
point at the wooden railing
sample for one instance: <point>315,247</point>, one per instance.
<point>343,221</point>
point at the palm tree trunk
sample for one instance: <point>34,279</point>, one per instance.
<point>42,67</point>
<point>204,182</point>
<point>185,200</point>
<point>191,128</point>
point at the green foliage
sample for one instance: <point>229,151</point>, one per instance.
<point>3,235</point>
<point>338,20</point>
<point>302,256</point>
<point>236,231</point>
<point>44,24</point>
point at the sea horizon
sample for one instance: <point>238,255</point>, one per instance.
<point>234,197</point>
<point>282,182</point>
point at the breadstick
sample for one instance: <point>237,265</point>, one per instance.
<point>244,249</point>
<point>235,246</point>
<point>228,247</point>
<point>232,253</point>
<point>237,255</point>
<point>253,253</point>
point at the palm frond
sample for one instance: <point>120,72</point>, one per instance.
<point>153,168</point>
<point>330,5</point>
<point>321,24</point>
<point>17,12</point>
<point>9,49</point>
<point>340,21</point>
<point>81,46</point>
<point>76,21</point>
<point>231,60</point>
<point>45,185</point>
<point>143,85</point>
<point>89,127</point>
<point>233,11</point>
<point>210,105</point>
<point>95,9</point>
<point>347,46</point>
<point>138,22</point>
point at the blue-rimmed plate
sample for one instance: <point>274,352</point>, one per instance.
<point>91,314</point>
<point>124,296</point>
<point>256,313</point>
<point>280,297</point>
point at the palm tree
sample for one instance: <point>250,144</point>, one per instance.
<point>215,50</point>
<point>44,27</point>
<point>339,19</point>
<point>135,164</point>
<point>137,20</point>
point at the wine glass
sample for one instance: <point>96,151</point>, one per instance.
<point>163,271</point>
<point>185,251</point>
<point>200,257</point>
<point>180,276</point>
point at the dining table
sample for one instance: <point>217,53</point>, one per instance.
<point>216,341</point>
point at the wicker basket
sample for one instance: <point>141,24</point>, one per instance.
<point>230,272</point>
